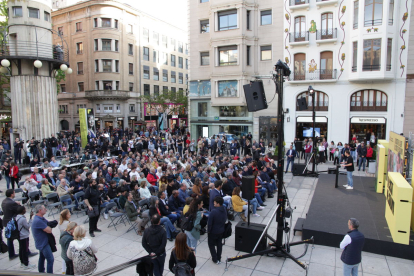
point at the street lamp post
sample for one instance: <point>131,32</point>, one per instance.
<point>312,93</point>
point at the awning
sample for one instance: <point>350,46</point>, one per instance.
<point>308,119</point>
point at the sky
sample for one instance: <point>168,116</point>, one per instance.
<point>171,11</point>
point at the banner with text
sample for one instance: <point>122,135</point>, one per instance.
<point>83,120</point>
<point>396,153</point>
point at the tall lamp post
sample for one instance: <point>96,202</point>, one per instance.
<point>312,93</point>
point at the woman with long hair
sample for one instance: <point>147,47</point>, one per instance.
<point>195,214</point>
<point>65,239</point>
<point>182,253</point>
<point>197,189</point>
<point>240,205</point>
<point>64,220</point>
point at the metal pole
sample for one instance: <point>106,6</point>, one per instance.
<point>313,132</point>
<point>248,213</point>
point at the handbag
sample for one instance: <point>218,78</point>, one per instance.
<point>94,212</point>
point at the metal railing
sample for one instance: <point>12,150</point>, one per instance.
<point>319,106</point>
<point>388,67</point>
<point>374,22</point>
<point>321,74</point>
<point>298,2</point>
<point>390,22</point>
<point>374,67</point>
<point>107,93</point>
<point>34,50</point>
<point>369,106</point>
<point>354,68</point>
<point>355,26</point>
<point>299,36</point>
<point>326,34</point>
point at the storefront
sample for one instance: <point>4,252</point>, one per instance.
<point>131,121</point>
<point>268,129</point>
<point>120,122</point>
<point>362,127</point>
<point>304,127</point>
<point>177,121</point>
<point>97,123</point>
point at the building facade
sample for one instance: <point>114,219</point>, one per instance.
<point>118,53</point>
<point>231,43</point>
<point>354,55</point>
<point>409,90</point>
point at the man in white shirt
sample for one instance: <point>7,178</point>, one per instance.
<point>352,245</point>
<point>123,166</point>
<point>30,185</point>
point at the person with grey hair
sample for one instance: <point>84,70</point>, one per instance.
<point>40,232</point>
<point>187,181</point>
<point>352,245</point>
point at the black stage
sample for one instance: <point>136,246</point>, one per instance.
<point>330,209</point>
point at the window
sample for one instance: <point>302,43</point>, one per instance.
<point>205,58</point>
<point>372,55</point>
<point>106,44</point>
<point>173,91</point>
<point>80,68</point>
<point>146,72</point>
<point>186,63</point>
<point>266,52</point>
<point>96,65</point>
<point>156,38</point>
<point>146,53</point>
<point>79,106</point>
<point>228,55</point>
<point>180,62</point>
<point>116,23</point>
<point>146,89</point>
<point>129,29</point>
<point>233,111</point>
<point>116,45</point>
<point>354,56</point>
<point>118,108</point>
<point>356,11</point>
<point>204,1</point>
<point>60,30</point>
<point>248,20</point>
<point>98,108</point>
<point>180,78</point>
<point>95,22</point>
<point>173,77</point>
<point>321,101</point>
<point>227,20</point>
<point>164,75</point>
<point>248,55</point>
<point>202,109</point>
<point>165,90</point>
<point>156,90</point>
<point>180,47</point>
<point>80,87</point>
<point>204,26</point>
<point>17,11</point>
<point>79,48</point>
<point>131,68</point>
<point>117,85</point>
<point>63,87</point>
<point>107,85</point>
<point>106,22</point>
<point>173,60</point>
<point>96,44</point>
<point>180,92</point>
<point>300,28</point>
<point>164,41</point>
<point>130,49</point>
<point>145,35</point>
<point>46,16</point>
<point>165,58</point>
<point>389,52</point>
<point>156,74</point>
<point>391,13</point>
<point>173,44</point>
<point>369,100</point>
<point>108,108</point>
<point>326,71</point>
<point>300,66</point>
<point>107,65</point>
<point>373,12</point>
<point>97,85</point>
<point>78,26</point>
<point>131,86</point>
<point>155,56</point>
<point>117,66</point>
<point>132,108</point>
<point>266,17</point>
<point>63,109</point>
<point>33,13</point>
<point>327,25</point>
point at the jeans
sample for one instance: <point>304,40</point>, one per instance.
<point>258,198</point>
<point>158,263</point>
<point>354,155</point>
<point>46,253</point>
<point>362,161</point>
<point>350,180</point>
<point>173,217</point>
<point>169,228</point>
<point>18,156</point>
<point>254,203</point>
<point>54,150</point>
<point>191,241</point>
<point>287,166</point>
<point>350,270</point>
<point>7,181</point>
<point>268,187</point>
<point>10,245</point>
<point>215,241</point>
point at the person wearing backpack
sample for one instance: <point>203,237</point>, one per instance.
<point>9,207</point>
<point>193,228</point>
<point>215,228</point>
<point>23,227</point>
<point>182,259</point>
<point>154,242</point>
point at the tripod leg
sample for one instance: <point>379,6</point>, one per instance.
<point>288,255</point>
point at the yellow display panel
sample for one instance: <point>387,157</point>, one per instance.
<point>385,143</point>
<point>398,206</point>
<point>380,172</point>
<point>83,126</point>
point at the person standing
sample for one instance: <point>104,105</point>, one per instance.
<point>65,238</point>
<point>40,231</point>
<point>349,165</point>
<point>352,245</point>
<point>93,201</point>
<point>215,228</point>
<point>14,177</point>
<point>10,207</point>
<point>370,152</point>
<point>182,253</point>
<point>24,232</point>
<point>154,242</point>
<point>291,153</point>
<point>18,145</point>
<point>308,152</point>
<point>362,153</point>
<point>82,252</point>
<point>196,213</point>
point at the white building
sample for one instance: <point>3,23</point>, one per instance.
<point>354,54</point>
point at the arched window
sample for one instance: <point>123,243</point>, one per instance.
<point>300,66</point>
<point>369,100</point>
<point>64,124</point>
<point>321,101</point>
<point>326,66</point>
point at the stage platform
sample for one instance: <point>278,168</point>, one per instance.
<point>331,208</point>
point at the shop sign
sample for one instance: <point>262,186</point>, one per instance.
<point>216,118</point>
<point>120,118</point>
<point>174,116</point>
<point>310,120</point>
<point>131,118</point>
<point>367,120</point>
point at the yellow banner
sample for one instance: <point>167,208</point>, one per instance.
<point>83,126</point>
<point>381,165</point>
<point>396,153</point>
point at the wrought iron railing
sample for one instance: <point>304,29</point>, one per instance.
<point>390,22</point>
<point>374,67</point>
<point>321,74</point>
<point>374,22</point>
<point>354,68</point>
<point>298,2</point>
<point>355,26</point>
<point>299,36</point>
<point>319,106</point>
<point>369,106</point>
<point>388,67</point>
<point>33,50</point>
<point>107,93</point>
<point>326,34</point>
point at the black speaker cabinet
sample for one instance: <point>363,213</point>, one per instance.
<point>248,187</point>
<point>255,96</point>
<point>298,169</point>
<point>247,236</point>
<point>303,105</point>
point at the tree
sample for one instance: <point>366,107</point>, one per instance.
<point>60,76</point>
<point>4,22</point>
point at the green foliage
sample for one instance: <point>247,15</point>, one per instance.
<point>60,76</point>
<point>4,78</point>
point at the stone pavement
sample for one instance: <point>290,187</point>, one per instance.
<point>117,246</point>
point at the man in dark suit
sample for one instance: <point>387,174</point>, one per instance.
<point>174,203</point>
<point>291,153</point>
<point>164,209</point>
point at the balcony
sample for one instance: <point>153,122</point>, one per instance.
<point>107,94</point>
<point>299,38</point>
<point>326,36</point>
<point>369,106</point>
<point>322,3</point>
<point>298,5</point>
<point>322,75</point>
<point>319,106</point>
<point>375,22</point>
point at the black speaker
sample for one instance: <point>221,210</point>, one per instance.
<point>247,236</point>
<point>298,169</point>
<point>255,96</point>
<point>248,187</point>
<point>303,105</point>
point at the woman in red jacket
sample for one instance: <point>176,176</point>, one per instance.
<point>14,170</point>
<point>370,152</point>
